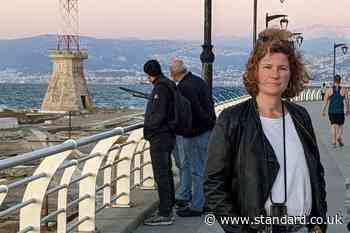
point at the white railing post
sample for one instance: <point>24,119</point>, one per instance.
<point>3,194</point>
<point>137,162</point>
<point>107,175</point>
<point>87,186</point>
<point>31,214</point>
<point>147,179</point>
<point>123,169</point>
<point>63,198</point>
<point>319,97</point>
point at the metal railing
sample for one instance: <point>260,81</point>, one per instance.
<point>310,93</point>
<point>116,159</point>
<point>124,165</point>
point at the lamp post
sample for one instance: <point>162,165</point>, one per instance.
<point>255,20</point>
<point>344,48</point>
<point>207,56</point>
<point>283,21</point>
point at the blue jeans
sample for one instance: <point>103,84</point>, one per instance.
<point>196,155</point>
<point>184,191</point>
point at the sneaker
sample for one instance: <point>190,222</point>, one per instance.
<point>157,220</point>
<point>340,142</point>
<point>171,215</point>
<point>334,145</point>
<point>180,203</point>
<point>189,212</point>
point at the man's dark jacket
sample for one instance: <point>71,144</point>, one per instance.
<point>197,92</point>
<point>242,165</point>
<point>159,115</point>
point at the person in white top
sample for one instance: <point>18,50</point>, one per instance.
<point>263,155</point>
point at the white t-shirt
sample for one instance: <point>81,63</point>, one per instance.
<point>299,199</point>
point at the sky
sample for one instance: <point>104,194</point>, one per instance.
<point>165,19</point>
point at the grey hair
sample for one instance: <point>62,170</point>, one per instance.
<point>178,67</point>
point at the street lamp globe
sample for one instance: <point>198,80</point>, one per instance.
<point>284,23</point>
<point>344,49</point>
<point>299,40</point>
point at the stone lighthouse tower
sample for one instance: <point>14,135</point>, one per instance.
<point>67,89</point>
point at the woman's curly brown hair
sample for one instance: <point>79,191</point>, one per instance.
<point>276,41</point>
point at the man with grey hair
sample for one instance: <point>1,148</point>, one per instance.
<point>195,144</point>
<point>183,195</point>
<point>177,69</point>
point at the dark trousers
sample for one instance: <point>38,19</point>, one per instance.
<point>161,163</point>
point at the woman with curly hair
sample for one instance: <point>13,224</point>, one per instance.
<point>264,160</point>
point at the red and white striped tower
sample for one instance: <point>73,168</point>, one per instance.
<point>67,89</point>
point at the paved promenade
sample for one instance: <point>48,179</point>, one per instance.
<point>336,163</point>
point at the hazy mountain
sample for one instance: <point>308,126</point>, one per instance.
<point>27,54</point>
<point>322,31</point>
<point>30,55</point>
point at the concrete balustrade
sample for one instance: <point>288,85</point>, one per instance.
<point>124,166</point>
<point>309,94</point>
<point>104,157</point>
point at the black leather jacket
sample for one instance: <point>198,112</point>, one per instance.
<point>242,165</point>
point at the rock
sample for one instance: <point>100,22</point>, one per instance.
<point>9,227</point>
<point>8,123</point>
<point>19,171</point>
<point>11,135</point>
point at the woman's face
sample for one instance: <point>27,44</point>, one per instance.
<point>273,74</point>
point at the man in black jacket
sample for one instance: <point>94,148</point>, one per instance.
<point>195,144</point>
<point>159,132</point>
